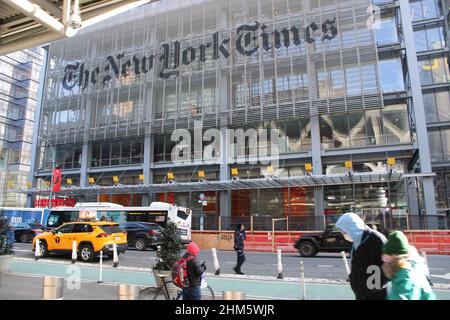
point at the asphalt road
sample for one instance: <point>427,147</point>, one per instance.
<point>324,266</point>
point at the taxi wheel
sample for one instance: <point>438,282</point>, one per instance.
<point>43,247</point>
<point>86,253</point>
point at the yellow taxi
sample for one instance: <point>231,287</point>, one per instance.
<point>91,238</point>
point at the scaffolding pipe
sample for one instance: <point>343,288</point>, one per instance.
<point>108,13</point>
<point>36,13</point>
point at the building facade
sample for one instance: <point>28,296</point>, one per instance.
<point>181,87</point>
<point>20,75</point>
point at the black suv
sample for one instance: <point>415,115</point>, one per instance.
<point>141,235</point>
<point>331,240</point>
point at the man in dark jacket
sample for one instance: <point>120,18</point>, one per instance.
<point>239,237</point>
<point>194,272</point>
<point>366,278</point>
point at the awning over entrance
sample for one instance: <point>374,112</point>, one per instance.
<point>242,184</point>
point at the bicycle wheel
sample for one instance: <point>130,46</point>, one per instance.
<point>208,293</point>
<point>152,293</point>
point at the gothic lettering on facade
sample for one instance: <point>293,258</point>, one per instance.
<point>250,38</point>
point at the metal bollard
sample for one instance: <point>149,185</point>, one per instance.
<point>302,279</point>
<point>128,292</point>
<point>100,266</point>
<point>74,251</point>
<point>115,256</point>
<point>52,288</point>
<point>427,269</point>
<point>233,295</point>
<point>37,249</point>
<point>216,261</point>
<point>280,265</point>
<point>347,268</point>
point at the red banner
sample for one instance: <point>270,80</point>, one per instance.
<point>56,180</point>
<point>43,203</point>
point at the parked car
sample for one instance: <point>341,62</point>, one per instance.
<point>91,238</point>
<point>331,240</point>
<point>23,232</point>
<point>142,235</point>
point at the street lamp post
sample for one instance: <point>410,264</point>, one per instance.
<point>53,168</point>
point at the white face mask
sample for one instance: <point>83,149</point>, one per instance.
<point>347,237</point>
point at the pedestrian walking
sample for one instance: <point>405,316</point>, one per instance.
<point>366,278</point>
<point>403,266</point>
<point>239,238</point>
<point>195,269</point>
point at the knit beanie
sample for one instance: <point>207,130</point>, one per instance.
<point>397,244</point>
<point>193,248</point>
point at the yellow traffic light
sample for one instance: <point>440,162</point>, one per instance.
<point>91,180</point>
<point>69,182</point>
<point>269,169</point>
<point>115,179</point>
<point>170,176</point>
<point>234,172</point>
<point>201,174</point>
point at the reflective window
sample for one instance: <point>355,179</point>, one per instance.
<point>437,106</point>
<point>391,75</point>
<point>439,145</point>
<point>433,70</point>
<point>67,156</point>
<point>436,151</point>
<point>117,153</point>
<point>429,38</point>
<point>359,129</point>
<point>386,29</point>
<point>424,9</point>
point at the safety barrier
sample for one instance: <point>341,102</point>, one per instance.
<point>429,241</point>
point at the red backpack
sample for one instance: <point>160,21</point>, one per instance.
<point>179,272</point>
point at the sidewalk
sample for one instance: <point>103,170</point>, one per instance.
<point>255,287</point>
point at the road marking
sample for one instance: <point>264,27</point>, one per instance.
<point>325,266</point>
<point>23,250</point>
<point>445,276</point>
<point>437,268</point>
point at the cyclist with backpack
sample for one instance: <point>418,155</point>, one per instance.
<point>187,273</point>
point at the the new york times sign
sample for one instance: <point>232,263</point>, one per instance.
<point>171,57</point>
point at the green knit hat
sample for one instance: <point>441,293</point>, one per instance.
<point>397,244</point>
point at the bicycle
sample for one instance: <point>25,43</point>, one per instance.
<point>163,293</point>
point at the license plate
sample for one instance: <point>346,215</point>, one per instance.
<point>117,238</point>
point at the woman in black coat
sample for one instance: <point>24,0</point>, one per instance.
<point>366,277</point>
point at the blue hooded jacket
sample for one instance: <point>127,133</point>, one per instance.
<point>352,224</point>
